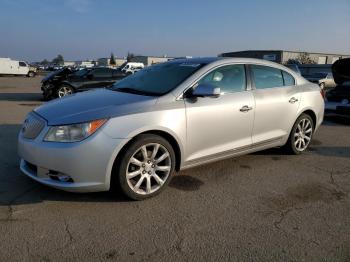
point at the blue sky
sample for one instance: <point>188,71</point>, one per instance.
<point>81,29</point>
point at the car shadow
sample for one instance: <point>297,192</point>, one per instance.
<point>336,120</point>
<point>332,151</point>
<point>21,97</point>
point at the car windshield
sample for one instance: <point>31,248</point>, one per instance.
<point>81,72</point>
<point>158,79</point>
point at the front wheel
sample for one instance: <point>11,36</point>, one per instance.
<point>64,91</point>
<point>301,135</point>
<point>146,167</point>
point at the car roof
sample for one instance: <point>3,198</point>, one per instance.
<point>219,60</point>
<point>199,60</point>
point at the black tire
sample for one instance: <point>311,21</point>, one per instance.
<point>60,89</point>
<point>290,146</point>
<point>46,96</point>
<point>31,74</point>
<point>120,171</point>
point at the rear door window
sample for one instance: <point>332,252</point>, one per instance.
<point>266,77</point>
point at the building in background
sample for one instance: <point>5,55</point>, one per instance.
<point>106,61</point>
<point>150,60</point>
<point>69,63</point>
<point>285,57</point>
<point>86,63</point>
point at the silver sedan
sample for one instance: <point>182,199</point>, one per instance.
<point>165,118</point>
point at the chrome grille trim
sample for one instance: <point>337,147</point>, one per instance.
<point>32,126</point>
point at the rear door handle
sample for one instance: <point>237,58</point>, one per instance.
<point>293,100</point>
<point>245,108</point>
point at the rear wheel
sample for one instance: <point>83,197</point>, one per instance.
<point>64,91</point>
<point>146,167</point>
<point>31,74</point>
<point>301,135</point>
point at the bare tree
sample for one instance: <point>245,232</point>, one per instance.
<point>304,58</point>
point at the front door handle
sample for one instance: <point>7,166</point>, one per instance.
<point>293,100</point>
<point>245,108</point>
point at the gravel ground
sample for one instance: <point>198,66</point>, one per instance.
<point>260,207</point>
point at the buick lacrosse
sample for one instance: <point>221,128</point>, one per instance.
<point>166,118</point>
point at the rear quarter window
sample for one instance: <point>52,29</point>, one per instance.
<point>288,79</point>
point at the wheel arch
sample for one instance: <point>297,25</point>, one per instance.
<point>307,111</point>
<point>312,114</point>
<point>65,83</point>
<point>166,135</point>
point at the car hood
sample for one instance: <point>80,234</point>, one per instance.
<point>58,73</point>
<point>92,105</point>
<point>341,71</point>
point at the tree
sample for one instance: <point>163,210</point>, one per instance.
<point>129,57</point>
<point>112,60</point>
<point>44,62</point>
<point>304,58</point>
<point>58,60</point>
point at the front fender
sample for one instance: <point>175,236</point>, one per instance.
<point>172,122</point>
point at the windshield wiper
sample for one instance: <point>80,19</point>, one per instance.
<point>134,91</point>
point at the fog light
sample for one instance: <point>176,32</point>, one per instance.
<point>64,178</point>
<point>54,175</point>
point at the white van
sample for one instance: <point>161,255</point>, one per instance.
<point>131,67</point>
<point>13,67</point>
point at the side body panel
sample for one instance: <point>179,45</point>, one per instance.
<point>216,125</point>
<point>275,112</point>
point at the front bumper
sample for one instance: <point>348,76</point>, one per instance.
<point>88,163</point>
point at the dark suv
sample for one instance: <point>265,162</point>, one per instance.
<point>65,81</point>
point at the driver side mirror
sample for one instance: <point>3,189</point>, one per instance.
<point>206,90</point>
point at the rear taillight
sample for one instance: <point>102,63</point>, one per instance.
<point>322,93</point>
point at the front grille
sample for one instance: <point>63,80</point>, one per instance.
<point>32,126</point>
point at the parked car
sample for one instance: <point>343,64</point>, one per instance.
<point>168,117</point>
<point>14,67</point>
<point>131,67</point>
<point>65,82</point>
<point>338,99</point>
<point>53,79</point>
<point>327,82</point>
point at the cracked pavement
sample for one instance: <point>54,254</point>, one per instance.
<point>260,207</point>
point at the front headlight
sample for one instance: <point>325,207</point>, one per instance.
<point>74,132</point>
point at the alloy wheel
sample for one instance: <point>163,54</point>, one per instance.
<point>303,134</point>
<point>148,168</point>
<point>64,91</point>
